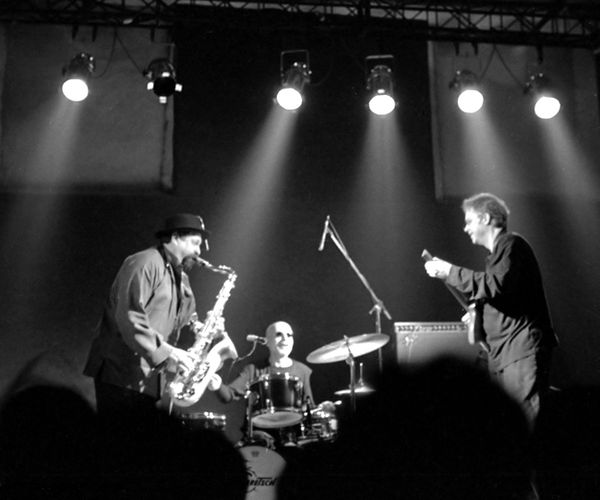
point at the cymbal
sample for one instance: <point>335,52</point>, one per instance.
<point>338,350</point>
<point>358,389</point>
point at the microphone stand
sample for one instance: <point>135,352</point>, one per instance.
<point>378,305</point>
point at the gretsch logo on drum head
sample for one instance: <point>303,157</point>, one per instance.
<point>263,469</point>
<point>255,481</point>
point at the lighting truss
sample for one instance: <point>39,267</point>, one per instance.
<point>567,23</point>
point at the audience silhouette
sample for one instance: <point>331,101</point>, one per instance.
<point>442,430</point>
<point>566,450</point>
<point>54,446</point>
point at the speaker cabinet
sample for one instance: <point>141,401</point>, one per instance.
<point>418,342</point>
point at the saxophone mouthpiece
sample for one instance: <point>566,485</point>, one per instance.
<point>215,269</point>
<point>201,262</point>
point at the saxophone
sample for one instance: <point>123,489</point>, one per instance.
<point>187,388</point>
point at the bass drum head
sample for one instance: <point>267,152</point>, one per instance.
<point>264,468</point>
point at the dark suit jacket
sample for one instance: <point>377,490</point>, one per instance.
<point>121,355</point>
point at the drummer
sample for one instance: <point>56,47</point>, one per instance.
<point>279,338</point>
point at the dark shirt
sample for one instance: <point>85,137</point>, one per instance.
<point>515,313</point>
<point>252,372</point>
<point>121,355</point>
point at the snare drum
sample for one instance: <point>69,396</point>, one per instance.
<point>264,468</point>
<point>203,420</point>
<point>277,401</point>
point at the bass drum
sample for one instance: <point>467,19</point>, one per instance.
<point>264,467</point>
<point>277,401</point>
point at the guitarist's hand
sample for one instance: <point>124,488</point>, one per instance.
<point>437,268</point>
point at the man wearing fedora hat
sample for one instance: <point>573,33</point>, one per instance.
<point>149,302</point>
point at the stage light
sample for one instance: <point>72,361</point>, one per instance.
<point>77,73</point>
<point>546,105</point>
<point>470,99</point>
<point>380,84</point>
<point>295,74</point>
<point>163,80</point>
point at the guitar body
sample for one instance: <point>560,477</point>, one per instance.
<point>475,331</point>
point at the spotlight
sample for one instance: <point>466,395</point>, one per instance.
<point>380,84</point>
<point>546,104</point>
<point>470,98</point>
<point>76,74</point>
<point>295,74</point>
<point>163,81</point>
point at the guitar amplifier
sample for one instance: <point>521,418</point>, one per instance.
<point>418,342</point>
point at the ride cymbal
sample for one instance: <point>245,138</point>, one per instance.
<point>341,350</point>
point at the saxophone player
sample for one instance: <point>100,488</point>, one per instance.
<point>149,302</point>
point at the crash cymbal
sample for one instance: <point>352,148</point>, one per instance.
<point>338,350</point>
<point>358,389</point>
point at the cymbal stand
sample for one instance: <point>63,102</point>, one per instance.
<point>361,382</point>
<point>378,305</point>
<point>249,429</point>
<point>351,363</point>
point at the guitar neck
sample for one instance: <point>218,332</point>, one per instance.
<point>459,297</point>
<point>426,256</point>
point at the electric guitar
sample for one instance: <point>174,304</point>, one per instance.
<point>474,313</point>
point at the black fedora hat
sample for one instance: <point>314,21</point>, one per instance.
<point>183,222</point>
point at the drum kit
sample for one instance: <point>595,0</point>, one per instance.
<point>279,417</point>
<point>276,403</point>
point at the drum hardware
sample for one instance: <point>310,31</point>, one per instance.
<point>248,397</point>
<point>257,438</point>
<point>348,349</point>
<point>360,388</point>
<point>308,419</point>
<point>323,426</point>
<point>378,306</point>
<point>203,420</point>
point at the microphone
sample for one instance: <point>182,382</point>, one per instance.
<point>325,231</point>
<point>257,339</point>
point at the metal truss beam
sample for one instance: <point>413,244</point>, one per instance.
<point>556,23</point>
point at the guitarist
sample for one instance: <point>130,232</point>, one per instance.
<point>516,320</point>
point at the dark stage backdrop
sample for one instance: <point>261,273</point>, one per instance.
<point>265,201</point>
<point>376,194</point>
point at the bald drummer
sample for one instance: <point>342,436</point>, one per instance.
<point>280,343</point>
